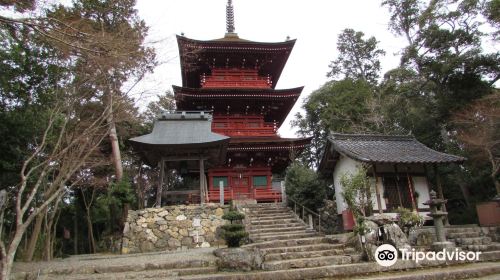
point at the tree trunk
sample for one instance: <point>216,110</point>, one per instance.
<point>115,147</point>
<point>35,234</point>
<point>75,234</point>
<point>90,230</point>
<point>113,138</point>
<point>90,234</point>
<point>10,254</point>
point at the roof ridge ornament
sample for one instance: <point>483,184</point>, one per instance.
<point>230,17</point>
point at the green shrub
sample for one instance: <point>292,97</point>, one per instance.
<point>233,227</point>
<point>356,193</point>
<point>233,233</point>
<point>408,220</point>
<point>233,238</point>
<point>233,216</point>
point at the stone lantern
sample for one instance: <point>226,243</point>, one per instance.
<point>438,215</point>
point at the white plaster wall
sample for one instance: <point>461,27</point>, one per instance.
<point>344,165</point>
<point>420,185</point>
<point>374,194</point>
<point>350,166</point>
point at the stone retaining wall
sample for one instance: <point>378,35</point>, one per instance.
<point>172,228</point>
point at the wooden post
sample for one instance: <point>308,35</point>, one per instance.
<point>440,192</point>
<point>397,185</point>
<point>159,190</point>
<point>221,192</point>
<point>411,189</point>
<point>377,191</point>
<point>202,179</point>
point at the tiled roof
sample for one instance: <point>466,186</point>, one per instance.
<point>183,128</point>
<point>388,149</point>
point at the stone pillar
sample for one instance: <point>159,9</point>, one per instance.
<point>283,193</point>
<point>221,192</point>
<point>438,215</point>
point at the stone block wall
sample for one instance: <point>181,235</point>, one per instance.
<point>172,228</point>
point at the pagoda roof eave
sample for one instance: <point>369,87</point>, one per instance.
<point>236,90</point>
<point>277,103</point>
<point>190,52</point>
<point>239,42</point>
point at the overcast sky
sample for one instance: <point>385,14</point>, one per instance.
<point>315,24</point>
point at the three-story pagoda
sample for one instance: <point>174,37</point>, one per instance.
<point>235,80</point>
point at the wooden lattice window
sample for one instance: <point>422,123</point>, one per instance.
<point>396,192</point>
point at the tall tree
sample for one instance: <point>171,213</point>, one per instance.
<point>443,69</point>
<point>478,128</point>
<point>358,58</point>
<point>349,104</point>
<point>99,43</point>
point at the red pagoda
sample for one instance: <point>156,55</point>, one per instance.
<point>235,80</point>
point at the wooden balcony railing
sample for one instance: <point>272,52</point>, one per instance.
<point>261,195</point>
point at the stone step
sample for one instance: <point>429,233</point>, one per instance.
<point>303,255</point>
<point>287,236</point>
<point>473,241</point>
<point>303,248</point>
<point>286,232</point>
<point>268,226</point>
<point>454,235</point>
<point>310,262</point>
<point>147,274</point>
<point>268,211</point>
<point>270,215</point>
<point>276,229</point>
<point>291,242</point>
<point>366,270</point>
<point>109,266</point>
<point>274,221</point>
<point>482,248</point>
<point>264,206</point>
<point>463,229</point>
<point>273,218</point>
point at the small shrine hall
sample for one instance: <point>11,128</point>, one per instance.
<point>224,130</point>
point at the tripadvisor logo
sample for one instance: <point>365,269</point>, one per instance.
<point>387,255</point>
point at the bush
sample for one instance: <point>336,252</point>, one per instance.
<point>233,233</point>
<point>233,227</point>
<point>356,193</point>
<point>304,186</point>
<point>408,220</point>
<point>233,238</point>
<point>233,216</point>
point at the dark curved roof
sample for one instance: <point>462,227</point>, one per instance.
<point>181,132</point>
<point>388,149</point>
<point>277,103</point>
<point>198,56</point>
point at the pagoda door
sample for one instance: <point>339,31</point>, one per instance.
<point>240,186</point>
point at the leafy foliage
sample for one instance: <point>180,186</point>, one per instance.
<point>358,58</point>
<point>233,215</point>
<point>234,233</point>
<point>408,220</point>
<point>304,186</point>
<point>356,193</point>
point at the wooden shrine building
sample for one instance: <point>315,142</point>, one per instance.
<point>233,81</point>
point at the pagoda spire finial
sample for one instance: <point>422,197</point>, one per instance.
<point>229,17</point>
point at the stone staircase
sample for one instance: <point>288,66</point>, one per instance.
<point>286,242</point>
<point>472,238</point>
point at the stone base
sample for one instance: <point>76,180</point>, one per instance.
<point>439,246</point>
